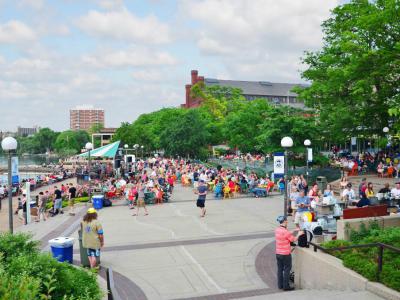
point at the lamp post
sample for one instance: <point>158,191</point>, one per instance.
<point>9,144</point>
<point>89,147</point>
<point>142,151</point>
<point>136,146</point>
<point>286,143</point>
<point>385,130</point>
<point>126,146</point>
<point>307,143</point>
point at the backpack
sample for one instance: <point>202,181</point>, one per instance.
<point>107,202</point>
<point>305,239</point>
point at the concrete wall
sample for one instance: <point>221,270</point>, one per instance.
<point>345,226</point>
<point>317,270</point>
<point>320,271</point>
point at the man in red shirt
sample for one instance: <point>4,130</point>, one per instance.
<point>283,238</point>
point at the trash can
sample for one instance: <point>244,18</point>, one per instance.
<point>83,253</point>
<point>322,183</point>
<point>97,201</point>
<point>62,248</point>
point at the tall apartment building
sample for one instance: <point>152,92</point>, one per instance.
<point>83,117</point>
<point>276,93</point>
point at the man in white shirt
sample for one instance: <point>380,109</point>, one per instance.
<point>396,191</point>
<point>348,194</point>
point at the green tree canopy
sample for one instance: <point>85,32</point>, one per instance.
<point>186,135</point>
<point>355,75</point>
<point>71,142</point>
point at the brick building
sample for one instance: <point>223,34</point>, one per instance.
<point>84,117</point>
<point>276,93</point>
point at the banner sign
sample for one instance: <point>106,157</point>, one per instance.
<point>14,170</point>
<point>279,164</point>
<point>309,154</point>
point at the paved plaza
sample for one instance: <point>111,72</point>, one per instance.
<point>174,254</point>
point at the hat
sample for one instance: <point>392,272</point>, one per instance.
<point>91,211</point>
<point>281,219</point>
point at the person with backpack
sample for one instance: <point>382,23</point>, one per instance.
<point>283,240</point>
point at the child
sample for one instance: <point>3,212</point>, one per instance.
<point>281,184</point>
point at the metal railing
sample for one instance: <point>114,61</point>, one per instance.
<point>112,291</point>
<point>380,247</point>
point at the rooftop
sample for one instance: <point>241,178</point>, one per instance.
<point>257,88</point>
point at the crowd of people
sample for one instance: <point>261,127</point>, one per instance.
<point>384,164</point>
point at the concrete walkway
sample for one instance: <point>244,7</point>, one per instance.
<point>174,254</point>
<point>17,222</point>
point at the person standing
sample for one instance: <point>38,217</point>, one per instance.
<point>283,238</point>
<point>303,204</point>
<point>57,201</point>
<point>141,187</point>
<point>43,199</point>
<point>71,199</point>
<point>202,192</point>
<point>92,236</point>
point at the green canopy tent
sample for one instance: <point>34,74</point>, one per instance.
<point>107,151</point>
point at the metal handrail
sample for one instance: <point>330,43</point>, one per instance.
<point>112,291</point>
<point>381,247</point>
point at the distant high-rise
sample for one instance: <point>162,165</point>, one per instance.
<point>84,117</point>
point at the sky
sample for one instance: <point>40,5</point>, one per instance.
<point>134,56</point>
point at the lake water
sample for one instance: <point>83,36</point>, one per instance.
<point>30,160</point>
<point>25,161</point>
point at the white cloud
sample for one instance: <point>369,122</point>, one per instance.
<point>111,4</point>
<point>147,75</point>
<point>35,4</point>
<point>124,25</point>
<point>12,90</point>
<point>134,57</point>
<point>261,39</point>
<point>16,32</point>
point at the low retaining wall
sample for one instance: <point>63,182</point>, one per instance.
<point>345,226</point>
<point>318,270</point>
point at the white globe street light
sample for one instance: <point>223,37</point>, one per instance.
<point>126,146</point>
<point>286,143</point>
<point>9,144</point>
<point>89,146</point>
<point>307,143</point>
<point>385,129</point>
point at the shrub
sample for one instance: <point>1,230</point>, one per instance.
<point>26,264</point>
<point>364,260</point>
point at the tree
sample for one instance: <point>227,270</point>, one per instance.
<point>242,127</point>
<point>286,121</point>
<point>46,139</point>
<point>71,142</point>
<point>186,135</point>
<point>355,75</point>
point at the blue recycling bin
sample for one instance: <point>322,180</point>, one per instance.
<point>62,248</point>
<point>97,201</point>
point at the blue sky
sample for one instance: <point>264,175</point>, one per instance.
<point>131,57</point>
